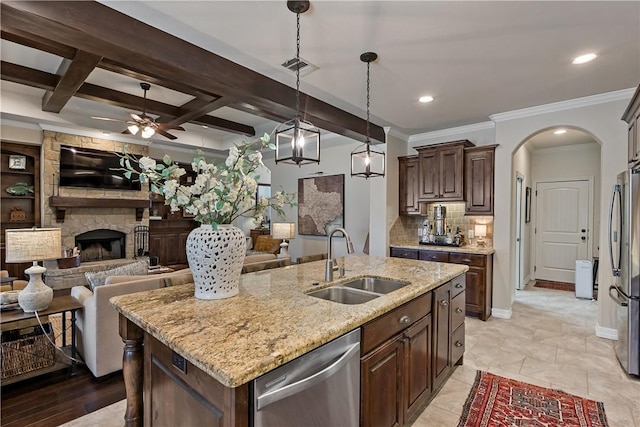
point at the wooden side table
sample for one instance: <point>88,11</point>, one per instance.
<point>60,304</point>
<point>254,233</point>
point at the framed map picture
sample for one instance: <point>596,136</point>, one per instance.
<point>320,204</point>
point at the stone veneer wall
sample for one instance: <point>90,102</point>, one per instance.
<point>80,220</point>
<point>405,229</point>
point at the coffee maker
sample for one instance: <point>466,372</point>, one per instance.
<point>440,220</point>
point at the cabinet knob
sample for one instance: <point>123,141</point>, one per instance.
<point>458,310</point>
<point>458,344</point>
<point>405,319</point>
<point>466,260</point>
<point>444,303</point>
<point>458,285</point>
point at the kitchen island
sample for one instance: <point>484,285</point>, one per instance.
<point>272,321</point>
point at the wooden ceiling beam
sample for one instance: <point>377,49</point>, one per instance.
<point>95,28</point>
<point>73,73</point>
<point>38,43</point>
<point>47,81</point>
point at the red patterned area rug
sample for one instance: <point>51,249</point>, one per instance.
<point>495,401</point>
<point>561,286</point>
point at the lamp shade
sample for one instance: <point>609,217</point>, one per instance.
<point>32,244</point>
<point>284,230</point>
<point>481,230</point>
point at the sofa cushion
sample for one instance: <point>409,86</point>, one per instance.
<point>99,278</point>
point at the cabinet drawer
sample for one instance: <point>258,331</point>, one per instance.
<point>381,329</point>
<point>436,256</point>
<point>404,253</point>
<point>457,344</point>
<point>458,284</point>
<point>469,259</point>
<point>457,310</point>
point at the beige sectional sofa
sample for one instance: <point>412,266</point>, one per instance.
<point>98,337</point>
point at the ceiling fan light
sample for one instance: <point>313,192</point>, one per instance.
<point>133,128</point>
<point>148,132</point>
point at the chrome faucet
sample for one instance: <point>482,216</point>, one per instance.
<point>331,263</point>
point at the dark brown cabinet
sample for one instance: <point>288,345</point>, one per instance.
<point>20,164</point>
<point>382,385</point>
<point>409,178</point>
<point>441,332</point>
<point>479,278</point>
<point>478,168</point>
<point>632,117</point>
<point>396,367</point>
<point>168,240</point>
<point>441,171</point>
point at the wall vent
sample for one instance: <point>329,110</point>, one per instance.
<point>305,66</point>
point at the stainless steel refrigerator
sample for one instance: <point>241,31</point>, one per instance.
<point>624,251</point>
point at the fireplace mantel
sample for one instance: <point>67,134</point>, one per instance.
<point>61,203</point>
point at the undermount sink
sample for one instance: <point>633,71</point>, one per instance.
<point>375,284</point>
<point>358,291</point>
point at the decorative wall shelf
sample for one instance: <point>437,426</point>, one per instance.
<point>61,203</point>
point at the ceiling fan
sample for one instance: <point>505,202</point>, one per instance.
<point>145,124</point>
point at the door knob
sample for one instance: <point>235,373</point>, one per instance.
<point>584,230</point>
<point>583,238</point>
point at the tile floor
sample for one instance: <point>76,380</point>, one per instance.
<point>549,341</point>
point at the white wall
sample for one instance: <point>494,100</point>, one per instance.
<point>572,162</point>
<point>335,160</point>
<point>603,122</point>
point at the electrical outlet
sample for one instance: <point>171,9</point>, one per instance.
<point>470,234</point>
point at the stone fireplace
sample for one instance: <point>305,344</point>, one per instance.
<point>101,245</point>
<point>89,210</point>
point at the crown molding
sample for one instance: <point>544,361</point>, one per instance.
<point>389,131</point>
<point>452,131</point>
<point>19,124</point>
<point>586,101</point>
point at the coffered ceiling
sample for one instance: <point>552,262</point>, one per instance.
<point>217,63</point>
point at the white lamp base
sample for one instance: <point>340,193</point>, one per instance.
<point>284,250</point>
<point>36,296</point>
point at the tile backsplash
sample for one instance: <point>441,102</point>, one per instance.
<point>405,229</point>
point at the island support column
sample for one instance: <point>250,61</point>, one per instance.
<point>132,370</point>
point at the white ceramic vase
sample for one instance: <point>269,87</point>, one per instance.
<point>215,258</point>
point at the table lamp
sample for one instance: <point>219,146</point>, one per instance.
<point>481,232</point>
<point>284,231</point>
<point>33,245</point>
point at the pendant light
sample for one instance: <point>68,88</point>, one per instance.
<point>297,141</point>
<point>366,160</point>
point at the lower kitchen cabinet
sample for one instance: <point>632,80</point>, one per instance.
<point>396,364</point>
<point>408,354</point>
<point>479,277</point>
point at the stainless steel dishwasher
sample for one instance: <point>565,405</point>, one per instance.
<point>318,389</point>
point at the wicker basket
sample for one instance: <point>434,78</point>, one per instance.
<point>26,350</point>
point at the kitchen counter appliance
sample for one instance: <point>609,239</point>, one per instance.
<point>624,252</point>
<point>322,388</point>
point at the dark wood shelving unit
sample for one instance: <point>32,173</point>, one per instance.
<point>29,204</point>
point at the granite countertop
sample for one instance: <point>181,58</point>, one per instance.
<point>272,320</point>
<point>467,249</point>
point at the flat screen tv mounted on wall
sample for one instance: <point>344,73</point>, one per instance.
<point>84,167</point>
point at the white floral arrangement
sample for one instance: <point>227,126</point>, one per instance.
<point>220,193</point>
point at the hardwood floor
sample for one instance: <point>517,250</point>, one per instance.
<point>56,398</point>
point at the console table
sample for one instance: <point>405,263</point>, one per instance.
<point>61,304</point>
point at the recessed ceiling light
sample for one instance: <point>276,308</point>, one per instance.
<point>425,99</point>
<point>560,131</point>
<point>585,58</point>
<point>205,127</point>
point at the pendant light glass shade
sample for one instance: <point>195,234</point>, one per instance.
<point>148,132</point>
<point>133,129</point>
<point>366,160</point>
<point>297,141</point>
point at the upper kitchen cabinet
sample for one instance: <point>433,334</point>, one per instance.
<point>479,165</point>
<point>441,171</point>
<point>409,179</point>
<point>632,117</point>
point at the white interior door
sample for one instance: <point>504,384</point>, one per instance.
<point>562,223</point>
<point>519,233</point>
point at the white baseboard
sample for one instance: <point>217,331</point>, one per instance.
<point>501,314</point>
<point>608,333</point>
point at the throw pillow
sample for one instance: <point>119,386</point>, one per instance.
<point>98,278</point>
